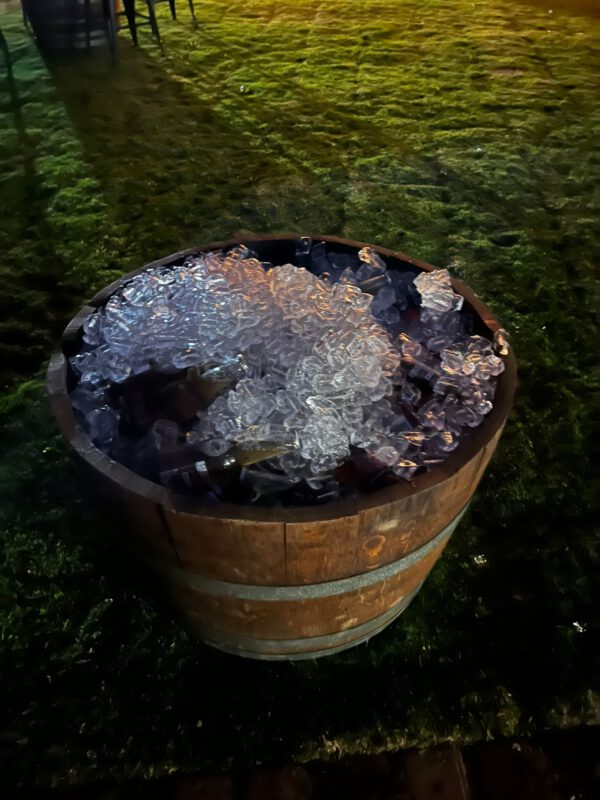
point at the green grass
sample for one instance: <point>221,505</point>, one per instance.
<point>464,133</point>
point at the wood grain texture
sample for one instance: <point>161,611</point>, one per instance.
<point>309,552</point>
<point>234,550</point>
<point>292,619</point>
<point>295,649</point>
<point>389,531</point>
<point>300,648</point>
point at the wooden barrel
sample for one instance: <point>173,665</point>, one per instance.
<point>63,25</point>
<point>275,583</point>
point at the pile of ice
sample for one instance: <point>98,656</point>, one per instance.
<point>336,358</point>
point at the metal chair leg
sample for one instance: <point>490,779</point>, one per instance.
<point>191,2</point>
<point>111,28</point>
<point>153,22</point>
<point>7,57</point>
<point>129,6</point>
<point>173,10</point>
<point>88,25</point>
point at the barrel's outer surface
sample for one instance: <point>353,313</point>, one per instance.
<point>298,582</point>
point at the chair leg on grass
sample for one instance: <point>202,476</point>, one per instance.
<point>111,28</point>
<point>129,6</point>
<point>153,22</point>
<point>88,25</point>
<point>6,56</point>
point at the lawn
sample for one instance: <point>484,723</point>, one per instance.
<point>464,133</point>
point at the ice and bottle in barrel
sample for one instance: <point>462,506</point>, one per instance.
<point>237,379</point>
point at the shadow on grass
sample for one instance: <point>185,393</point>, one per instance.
<point>36,296</point>
<point>173,168</point>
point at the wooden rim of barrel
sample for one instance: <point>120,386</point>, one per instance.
<point>478,438</point>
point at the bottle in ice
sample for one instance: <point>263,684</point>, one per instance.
<point>180,395</point>
<point>219,473</point>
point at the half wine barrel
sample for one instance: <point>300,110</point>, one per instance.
<point>288,583</point>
